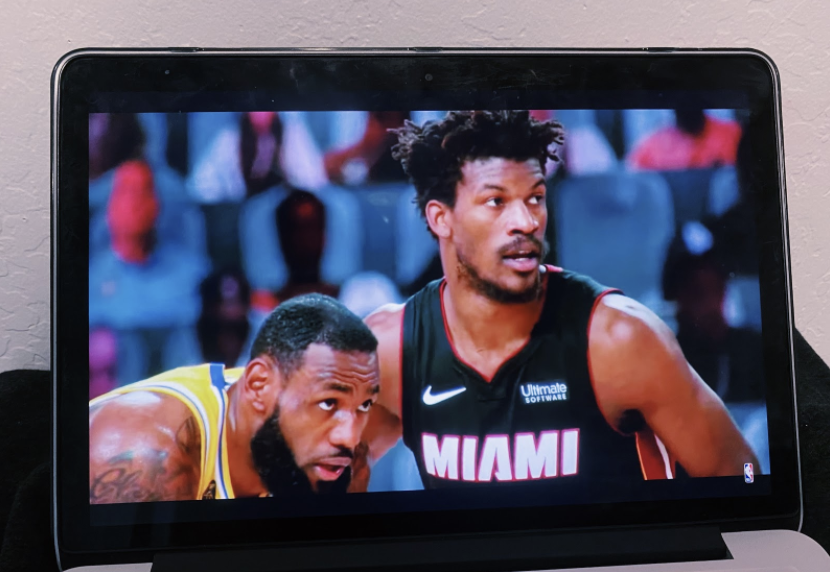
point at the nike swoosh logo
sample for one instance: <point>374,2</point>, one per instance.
<point>434,398</point>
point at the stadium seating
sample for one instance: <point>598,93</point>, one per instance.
<point>616,228</point>
<point>723,191</point>
<point>262,259</point>
<point>415,245</point>
<point>690,193</point>
<point>180,224</point>
<point>144,352</point>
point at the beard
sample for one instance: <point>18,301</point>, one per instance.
<point>274,461</point>
<point>495,292</point>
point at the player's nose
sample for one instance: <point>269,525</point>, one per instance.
<point>520,219</point>
<point>346,432</point>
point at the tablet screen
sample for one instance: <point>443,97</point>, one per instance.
<point>347,303</point>
<point>272,232</point>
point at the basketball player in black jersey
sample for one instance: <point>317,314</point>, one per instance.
<point>509,370</point>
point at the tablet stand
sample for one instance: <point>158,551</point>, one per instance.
<point>485,553</point>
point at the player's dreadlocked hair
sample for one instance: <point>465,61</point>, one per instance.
<point>432,155</point>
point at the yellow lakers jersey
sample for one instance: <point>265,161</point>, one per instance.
<point>203,389</point>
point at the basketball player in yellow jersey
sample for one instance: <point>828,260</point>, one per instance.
<point>290,421</point>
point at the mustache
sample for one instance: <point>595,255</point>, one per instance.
<point>524,242</point>
<point>342,452</point>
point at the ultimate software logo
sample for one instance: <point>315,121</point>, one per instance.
<point>544,392</point>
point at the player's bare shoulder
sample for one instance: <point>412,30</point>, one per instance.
<point>143,446</point>
<point>629,349</point>
<point>386,324</point>
<point>621,325</point>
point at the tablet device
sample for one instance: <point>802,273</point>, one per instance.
<point>318,298</point>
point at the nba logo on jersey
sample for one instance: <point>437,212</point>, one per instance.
<point>749,475</point>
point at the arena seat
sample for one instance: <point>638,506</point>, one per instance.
<point>634,213</point>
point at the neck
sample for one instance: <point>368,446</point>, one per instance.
<point>470,318</point>
<point>244,476</point>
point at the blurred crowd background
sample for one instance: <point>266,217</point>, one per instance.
<point>202,223</point>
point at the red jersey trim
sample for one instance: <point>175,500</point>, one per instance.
<point>486,378</point>
<point>652,462</point>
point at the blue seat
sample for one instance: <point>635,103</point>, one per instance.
<point>262,257</point>
<point>690,193</point>
<point>100,190</point>
<point>202,129</point>
<point>414,244</point>
<point>146,352</point>
<point>723,191</point>
<point>616,228</point>
<point>222,238</point>
<point>155,130</point>
<point>743,302</point>
<point>397,470</point>
<point>751,419</point>
<point>378,206</point>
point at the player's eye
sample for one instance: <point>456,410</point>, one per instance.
<point>365,406</point>
<point>328,404</point>
<point>494,202</point>
<point>537,199</point>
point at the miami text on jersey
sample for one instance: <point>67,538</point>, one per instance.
<point>459,457</point>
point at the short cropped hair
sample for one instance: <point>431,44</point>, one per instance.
<point>310,319</point>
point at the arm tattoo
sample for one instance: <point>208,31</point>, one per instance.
<point>151,475</point>
<point>189,440</point>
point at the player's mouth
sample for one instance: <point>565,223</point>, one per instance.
<point>330,469</point>
<point>522,260</point>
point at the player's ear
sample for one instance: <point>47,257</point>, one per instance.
<point>262,383</point>
<point>438,215</point>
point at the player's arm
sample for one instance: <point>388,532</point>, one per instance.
<point>384,427</point>
<point>637,366</point>
<point>143,447</point>
<point>360,469</point>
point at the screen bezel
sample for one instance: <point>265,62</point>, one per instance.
<point>81,75</point>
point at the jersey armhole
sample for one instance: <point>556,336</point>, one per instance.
<point>596,304</point>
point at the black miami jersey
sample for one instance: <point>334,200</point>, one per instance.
<point>537,418</point>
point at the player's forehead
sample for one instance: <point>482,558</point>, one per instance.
<point>324,367</point>
<point>500,171</point>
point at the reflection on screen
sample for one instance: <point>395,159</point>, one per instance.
<point>214,374</point>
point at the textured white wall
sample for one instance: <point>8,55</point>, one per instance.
<point>35,33</point>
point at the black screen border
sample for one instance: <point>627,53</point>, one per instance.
<point>81,76</point>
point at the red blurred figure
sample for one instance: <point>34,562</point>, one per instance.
<point>697,141</point>
<point>132,212</point>
<point>372,155</point>
<point>301,226</point>
<point>223,324</point>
